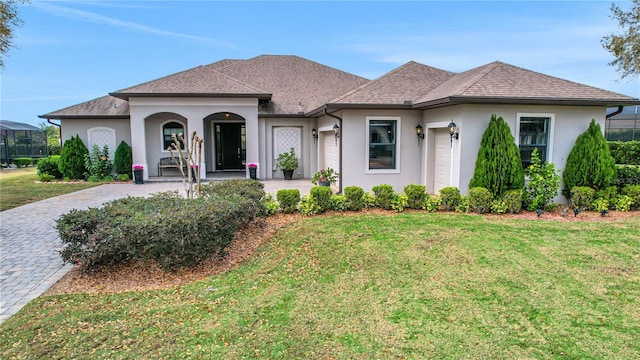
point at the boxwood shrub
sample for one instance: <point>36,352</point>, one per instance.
<point>384,195</point>
<point>633,192</point>
<point>627,175</point>
<point>625,152</point>
<point>480,199</point>
<point>322,195</point>
<point>582,197</point>
<point>450,197</point>
<point>22,162</point>
<point>513,200</point>
<point>416,195</point>
<point>288,199</point>
<point>355,197</point>
<point>247,188</point>
<point>50,166</point>
<point>171,230</point>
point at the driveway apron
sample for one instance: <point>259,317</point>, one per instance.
<point>30,262</point>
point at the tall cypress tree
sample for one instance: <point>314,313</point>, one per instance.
<point>72,158</point>
<point>122,159</point>
<point>590,162</point>
<point>498,166</point>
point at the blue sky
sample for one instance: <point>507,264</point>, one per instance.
<point>68,52</point>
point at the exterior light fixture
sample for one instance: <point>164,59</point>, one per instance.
<point>420,133</point>
<point>336,132</point>
<point>453,130</point>
<point>314,133</point>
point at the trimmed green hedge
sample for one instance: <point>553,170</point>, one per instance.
<point>625,152</point>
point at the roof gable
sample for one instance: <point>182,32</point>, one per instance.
<point>404,84</point>
<point>498,80</point>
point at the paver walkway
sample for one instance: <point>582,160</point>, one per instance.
<point>29,244</point>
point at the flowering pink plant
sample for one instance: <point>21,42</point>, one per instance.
<point>252,166</point>
<point>138,167</point>
<point>327,174</point>
<point>194,166</point>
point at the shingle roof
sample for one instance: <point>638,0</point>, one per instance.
<point>506,82</point>
<point>295,85</point>
<point>106,106</point>
<point>406,83</point>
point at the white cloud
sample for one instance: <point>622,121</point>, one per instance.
<point>100,19</point>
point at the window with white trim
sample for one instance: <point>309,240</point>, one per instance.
<point>534,131</point>
<point>382,143</point>
<point>168,130</point>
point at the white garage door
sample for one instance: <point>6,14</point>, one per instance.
<point>331,152</point>
<point>441,159</point>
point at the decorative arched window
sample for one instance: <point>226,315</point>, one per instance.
<point>168,129</point>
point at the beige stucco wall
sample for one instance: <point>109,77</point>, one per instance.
<point>354,142</point>
<point>71,127</point>
<point>308,157</point>
<point>472,120</point>
<point>194,110</point>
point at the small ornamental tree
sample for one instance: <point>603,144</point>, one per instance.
<point>498,166</point>
<point>72,158</point>
<point>122,159</point>
<point>590,162</point>
<point>543,185</point>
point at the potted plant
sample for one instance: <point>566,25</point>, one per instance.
<point>325,177</point>
<point>138,172</point>
<point>288,161</point>
<point>252,171</point>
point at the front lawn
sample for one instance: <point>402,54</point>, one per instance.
<point>410,285</point>
<point>19,187</point>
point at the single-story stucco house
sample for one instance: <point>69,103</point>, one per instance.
<point>393,130</point>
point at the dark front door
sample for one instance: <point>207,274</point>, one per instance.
<point>231,149</point>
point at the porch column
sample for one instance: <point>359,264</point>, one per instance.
<point>197,125</point>
<point>253,144</point>
<point>138,140</point>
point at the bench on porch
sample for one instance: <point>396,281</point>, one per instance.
<point>169,162</point>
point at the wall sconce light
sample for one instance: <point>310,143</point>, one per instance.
<point>336,131</point>
<point>314,133</point>
<point>453,130</point>
<point>420,133</point>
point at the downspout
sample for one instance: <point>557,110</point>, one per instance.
<point>340,150</point>
<point>59,127</point>
<point>620,108</point>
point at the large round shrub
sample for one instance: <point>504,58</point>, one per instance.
<point>50,166</point>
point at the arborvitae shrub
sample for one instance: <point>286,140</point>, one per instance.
<point>72,165</point>
<point>480,199</point>
<point>355,197</point>
<point>450,196</point>
<point>416,195</point>
<point>582,197</point>
<point>288,199</point>
<point>122,159</point>
<point>498,165</point>
<point>384,195</point>
<point>50,166</point>
<point>590,162</point>
<point>322,195</point>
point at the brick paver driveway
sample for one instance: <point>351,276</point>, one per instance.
<point>29,244</point>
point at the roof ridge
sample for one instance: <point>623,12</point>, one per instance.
<point>482,73</point>
<point>160,78</point>
<point>235,80</point>
<point>372,82</point>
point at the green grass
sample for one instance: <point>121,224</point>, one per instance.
<point>18,187</point>
<point>411,285</point>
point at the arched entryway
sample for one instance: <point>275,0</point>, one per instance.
<point>227,134</point>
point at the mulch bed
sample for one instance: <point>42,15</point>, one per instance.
<point>148,276</point>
